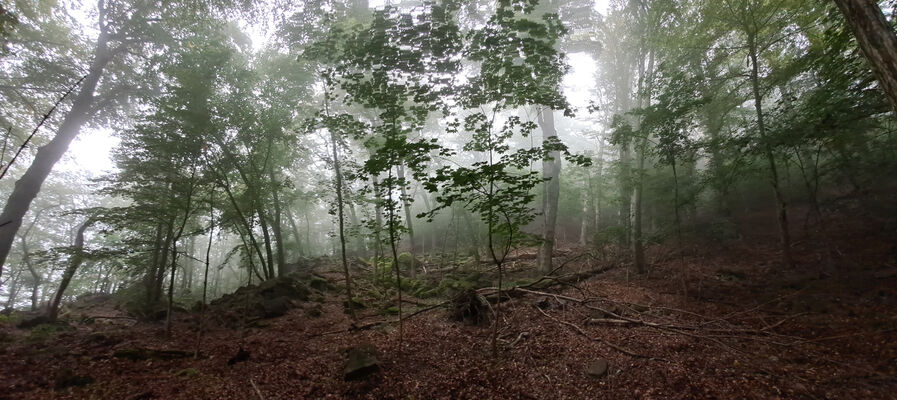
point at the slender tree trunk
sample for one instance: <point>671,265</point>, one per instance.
<point>638,244</point>
<point>391,213</point>
<point>74,263</point>
<point>409,222</point>
<point>14,287</point>
<point>551,170</point>
<point>243,221</point>
<point>29,185</point>
<point>586,201</point>
<point>35,276</point>
<point>378,220</point>
<point>645,83</point>
<point>150,277</point>
<point>277,226</point>
<point>877,41</point>
<point>781,206</point>
<point>296,236</point>
<point>360,247</point>
<point>677,218</point>
<point>340,206</point>
<point>205,275</point>
<point>268,262</point>
<point>188,209</point>
<point>163,262</point>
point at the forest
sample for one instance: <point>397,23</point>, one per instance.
<point>448,199</point>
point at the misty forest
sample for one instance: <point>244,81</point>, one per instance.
<point>422,199</point>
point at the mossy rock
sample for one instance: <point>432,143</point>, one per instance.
<point>357,304</point>
<point>45,331</point>
<point>283,287</point>
<point>361,361</point>
<point>275,307</point>
<point>314,311</point>
<point>320,284</point>
<point>406,260</point>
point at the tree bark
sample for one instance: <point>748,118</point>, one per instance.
<point>551,170</point>
<point>877,41</point>
<point>74,264</point>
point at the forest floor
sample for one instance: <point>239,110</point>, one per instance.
<point>717,323</point>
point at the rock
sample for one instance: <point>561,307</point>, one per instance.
<point>67,378</point>
<point>276,307</point>
<point>283,287</point>
<point>361,361</point>
<point>597,368</point>
<point>242,355</point>
<point>34,321</point>
<point>314,311</point>
<point>320,283</point>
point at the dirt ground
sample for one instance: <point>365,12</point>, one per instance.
<point>712,321</point>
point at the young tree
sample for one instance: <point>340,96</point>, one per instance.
<point>518,67</point>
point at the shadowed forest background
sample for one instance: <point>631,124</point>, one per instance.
<point>448,199</point>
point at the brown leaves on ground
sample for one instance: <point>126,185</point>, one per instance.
<point>745,328</point>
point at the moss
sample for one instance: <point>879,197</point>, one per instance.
<point>320,284</point>
<point>12,318</point>
<point>43,332</point>
<point>187,372</point>
<point>357,304</point>
<point>392,310</point>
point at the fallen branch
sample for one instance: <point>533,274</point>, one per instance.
<point>364,327</point>
<point>600,340</point>
<point>610,321</point>
<point>257,391</point>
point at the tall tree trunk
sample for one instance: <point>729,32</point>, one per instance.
<point>409,222</point>
<point>159,279</point>
<point>14,288</point>
<point>586,202</point>
<point>646,77</point>
<point>378,220</point>
<point>551,170</point>
<point>877,41</point>
<point>277,226</point>
<point>295,230</point>
<point>360,247</point>
<point>35,276</point>
<point>74,264</point>
<point>150,277</point>
<point>340,207</point>
<point>268,262</point>
<point>781,206</point>
<point>29,185</point>
<point>205,275</point>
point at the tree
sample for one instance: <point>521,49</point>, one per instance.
<point>514,47</point>
<point>122,27</point>
<point>76,258</point>
<point>877,41</point>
